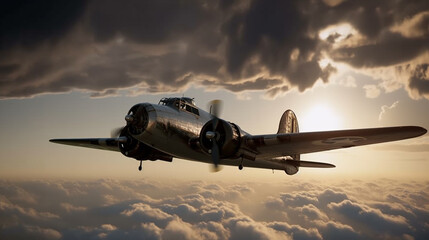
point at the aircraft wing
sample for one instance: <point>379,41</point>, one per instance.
<point>288,144</point>
<point>110,144</point>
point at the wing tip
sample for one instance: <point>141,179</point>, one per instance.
<point>422,130</point>
<point>58,140</point>
<point>416,131</point>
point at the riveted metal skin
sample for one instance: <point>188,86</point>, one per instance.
<point>171,129</point>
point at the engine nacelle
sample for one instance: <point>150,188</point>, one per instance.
<point>228,138</point>
<point>135,149</point>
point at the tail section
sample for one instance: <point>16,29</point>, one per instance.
<point>289,124</point>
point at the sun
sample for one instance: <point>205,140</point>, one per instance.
<point>320,117</point>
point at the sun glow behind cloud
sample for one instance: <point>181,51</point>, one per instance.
<point>320,117</point>
<point>339,32</point>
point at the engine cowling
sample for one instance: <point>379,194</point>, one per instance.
<point>227,136</point>
<point>137,119</point>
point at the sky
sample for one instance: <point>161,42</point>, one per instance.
<point>72,69</point>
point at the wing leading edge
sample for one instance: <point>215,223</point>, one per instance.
<point>277,145</point>
<point>110,144</point>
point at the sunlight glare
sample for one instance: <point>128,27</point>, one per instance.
<point>343,31</point>
<point>320,117</point>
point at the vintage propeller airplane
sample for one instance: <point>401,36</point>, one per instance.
<point>177,128</point>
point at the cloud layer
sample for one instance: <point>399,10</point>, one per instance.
<point>163,46</point>
<point>110,209</point>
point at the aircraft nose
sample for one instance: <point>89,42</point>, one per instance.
<point>137,119</point>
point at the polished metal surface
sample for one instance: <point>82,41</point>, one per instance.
<point>177,128</point>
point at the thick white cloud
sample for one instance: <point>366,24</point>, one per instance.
<point>144,209</point>
<point>374,218</point>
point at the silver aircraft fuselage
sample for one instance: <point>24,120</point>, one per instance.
<point>172,130</point>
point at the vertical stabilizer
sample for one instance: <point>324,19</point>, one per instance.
<point>288,123</point>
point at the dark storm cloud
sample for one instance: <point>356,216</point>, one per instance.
<point>146,21</point>
<point>258,84</point>
<point>419,79</point>
<point>370,18</point>
<point>110,209</point>
<point>390,50</point>
<point>164,46</point>
<point>30,23</point>
<point>269,32</point>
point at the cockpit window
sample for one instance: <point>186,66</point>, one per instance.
<point>191,109</point>
<point>184,103</point>
<point>195,111</point>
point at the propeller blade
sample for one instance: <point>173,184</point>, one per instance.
<point>213,168</point>
<point>215,110</point>
<point>215,122</point>
<point>116,132</point>
<point>215,154</point>
<point>216,107</point>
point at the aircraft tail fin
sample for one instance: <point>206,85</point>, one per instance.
<point>288,123</point>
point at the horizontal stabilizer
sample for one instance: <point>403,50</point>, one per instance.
<point>309,164</point>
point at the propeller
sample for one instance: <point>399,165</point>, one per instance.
<point>213,136</point>
<point>116,132</point>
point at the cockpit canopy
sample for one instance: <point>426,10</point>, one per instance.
<point>183,103</point>
<point>171,101</point>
